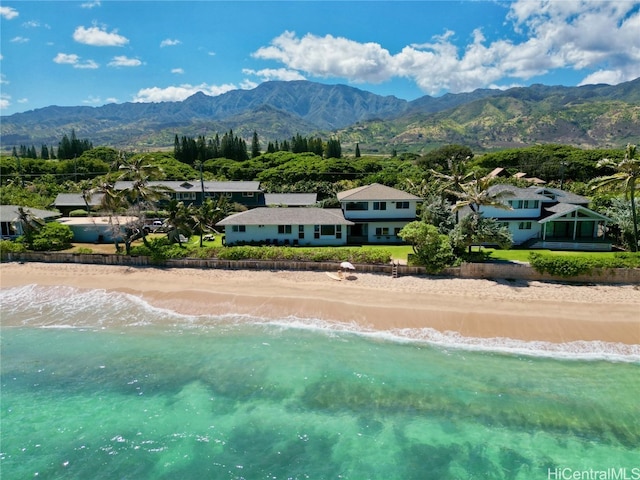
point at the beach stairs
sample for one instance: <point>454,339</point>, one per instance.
<point>394,270</point>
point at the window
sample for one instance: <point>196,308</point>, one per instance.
<point>284,229</point>
<point>328,230</point>
<point>239,228</point>
<point>517,204</point>
<point>357,206</point>
<point>382,231</point>
<point>379,205</point>
<point>247,194</point>
<point>186,196</point>
<point>396,231</point>
<point>524,226</point>
<point>301,232</point>
<point>316,231</point>
<point>338,231</point>
<point>402,205</point>
<point>531,203</point>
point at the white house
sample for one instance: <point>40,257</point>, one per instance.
<point>10,226</point>
<point>286,226</point>
<point>97,229</point>
<point>378,212</point>
<point>549,218</point>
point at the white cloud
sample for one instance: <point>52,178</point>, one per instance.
<point>19,40</point>
<point>179,92</point>
<point>73,59</point>
<point>168,42</point>
<point>23,100</point>
<point>8,12</point>
<point>92,100</point>
<point>177,71</point>
<point>92,4</point>
<point>111,100</point>
<point>275,74</point>
<point>3,79</point>
<point>5,101</point>
<point>597,37</point>
<point>99,37</point>
<point>124,61</point>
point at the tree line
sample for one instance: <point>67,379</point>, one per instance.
<point>68,148</point>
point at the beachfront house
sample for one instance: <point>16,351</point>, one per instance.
<point>290,199</point>
<point>10,225</point>
<point>286,226</point>
<point>98,229</point>
<point>195,192</point>
<point>378,213</point>
<point>68,202</point>
<point>542,217</point>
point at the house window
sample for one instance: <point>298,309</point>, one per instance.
<point>239,228</point>
<point>396,231</point>
<point>531,204</point>
<point>186,196</point>
<point>357,206</point>
<point>301,232</point>
<point>402,205</point>
<point>328,230</point>
<point>247,194</point>
<point>382,231</point>
<point>283,229</point>
<point>338,231</point>
<point>516,204</point>
<point>316,231</point>
<point>379,205</point>
<point>504,224</point>
<point>524,226</point>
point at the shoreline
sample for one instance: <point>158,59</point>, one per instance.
<point>482,309</point>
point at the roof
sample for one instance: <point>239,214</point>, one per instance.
<point>287,216</point>
<point>297,199</point>
<point>517,193</point>
<point>97,220</point>
<point>561,209</point>
<point>76,199</point>
<point>560,195</point>
<point>195,186</point>
<point>375,191</point>
<point>9,213</point>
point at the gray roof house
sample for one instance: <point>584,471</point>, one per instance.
<point>248,194</point>
<point>9,214</point>
<point>543,217</point>
<point>67,202</point>
<point>378,212</point>
<point>286,226</point>
<point>290,199</point>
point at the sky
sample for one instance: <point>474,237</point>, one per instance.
<point>95,52</point>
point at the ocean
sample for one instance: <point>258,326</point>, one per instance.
<point>99,385</point>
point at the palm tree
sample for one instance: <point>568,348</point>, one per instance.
<point>178,221</point>
<point>29,223</point>
<point>140,194</point>
<point>204,218</point>
<point>477,193</point>
<point>110,202</point>
<point>628,173</point>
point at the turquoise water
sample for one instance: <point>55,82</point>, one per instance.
<point>122,390</point>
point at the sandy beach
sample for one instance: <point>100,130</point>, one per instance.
<point>530,311</point>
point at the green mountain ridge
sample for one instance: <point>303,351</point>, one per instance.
<point>590,116</point>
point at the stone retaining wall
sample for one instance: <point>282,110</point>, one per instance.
<point>497,270</point>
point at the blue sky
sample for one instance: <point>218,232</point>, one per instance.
<point>97,52</point>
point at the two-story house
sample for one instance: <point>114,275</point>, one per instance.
<point>194,192</point>
<point>378,213</point>
<point>550,218</point>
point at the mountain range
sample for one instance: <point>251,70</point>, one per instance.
<point>590,116</point>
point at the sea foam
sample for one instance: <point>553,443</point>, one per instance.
<point>69,307</point>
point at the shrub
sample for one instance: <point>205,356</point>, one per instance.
<point>78,213</point>
<point>8,246</point>
<point>564,266</point>
<point>83,250</point>
<point>52,237</point>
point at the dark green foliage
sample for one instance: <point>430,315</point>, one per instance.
<point>51,237</point>
<point>477,230</point>
<point>431,249</point>
<point>550,162</point>
<point>444,158</point>
<point>571,266</point>
<point>334,149</point>
<point>73,147</point>
<point>294,254</point>
<point>7,246</point>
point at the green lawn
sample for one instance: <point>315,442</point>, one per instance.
<point>523,255</point>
